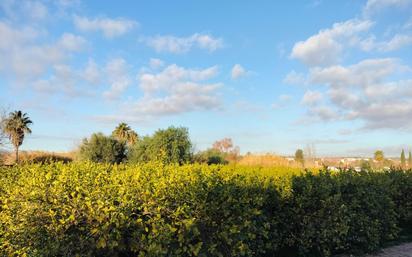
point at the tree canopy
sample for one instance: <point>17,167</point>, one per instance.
<point>171,145</point>
<point>101,148</point>
<point>124,133</point>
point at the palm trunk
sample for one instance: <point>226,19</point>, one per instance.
<point>17,154</point>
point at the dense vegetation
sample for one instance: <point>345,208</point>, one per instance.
<point>101,148</point>
<point>91,209</point>
<point>171,145</point>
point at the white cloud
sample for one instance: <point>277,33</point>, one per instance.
<point>238,71</point>
<point>312,97</point>
<point>369,91</point>
<point>364,73</point>
<point>25,59</point>
<point>12,37</point>
<point>173,44</point>
<point>171,76</point>
<point>397,42</point>
<point>62,80</point>
<point>294,78</point>
<point>327,45</point>
<point>72,42</point>
<point>156,63</point>
<point>325,113</point>
<point>24,10</point>
<point>109,27</point>
<point>364,92</point>
<point>282,101</point>
<point>376,5</point>
<point>92,72</point>
<point>118,77</point>
<point>173,90</point>
<point>37,10</point>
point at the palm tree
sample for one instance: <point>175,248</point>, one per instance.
<point>124,133</point>
<point>15,127</point>
<point>132,137</point>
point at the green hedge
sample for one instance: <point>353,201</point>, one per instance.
<point>87,209</point>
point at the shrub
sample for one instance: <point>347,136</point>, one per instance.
<point>100,148</point>
<point>209,157</point>
<point>91,209</point>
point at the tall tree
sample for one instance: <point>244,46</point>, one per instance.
<point>410,160</point>
<point>299,157</point>
<point>16,126</point>
<point>124,133</point>
<point>403,160</point>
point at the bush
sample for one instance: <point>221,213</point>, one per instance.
<point>90,209</point>
<point>100,148</point>
<point>209,157</point>
<point>171,145</point>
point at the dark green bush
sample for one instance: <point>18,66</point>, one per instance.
<point>101,148</point>
<point>209,157</point>
<point>171,145</point>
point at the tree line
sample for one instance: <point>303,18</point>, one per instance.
<point>171,145</point>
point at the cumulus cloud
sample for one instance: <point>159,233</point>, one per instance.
<point>373,6</point>
<point>24,9</point>
<point>176,45</point>
<point>366,72</point>
<point>324,112</point>
<point>171,91</point>
<point>118,77</point>
<point>12,36</point>
<point>238,71</point>
<point>364,91</point>
<point>25,59</point>
<point>395,43</point>
<point>91,72</point>
<point>109,27</point>
<point>72,42</point>
<point>327,45</point>
<point>311,97</point>
<point>294,78</point>
<point>156,63</point>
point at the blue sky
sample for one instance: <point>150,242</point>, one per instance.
<point>273,76</point>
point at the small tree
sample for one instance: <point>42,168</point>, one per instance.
<point>101,148</point>
<point>403,160</point>
<point>379,156</point>
<point>226,147</point>
<point>16,126</point>
<point>299,157</point>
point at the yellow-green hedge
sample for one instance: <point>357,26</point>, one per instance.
<point>87,209</point>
